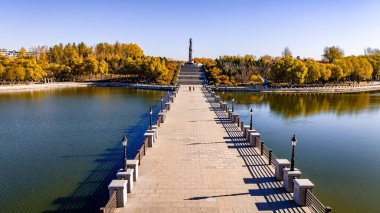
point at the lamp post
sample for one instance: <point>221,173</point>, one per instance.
<point>223,96</point>
<point>294,143</point>
<point>150,123</point>
<point>162,100</point>
<point>124,141</point>
<point>250,124</point>
<point>233,103</point>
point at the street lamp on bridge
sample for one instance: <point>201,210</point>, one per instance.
<point>294,143</point>
<point>124,142</point>
<point>233,104</point>
<point>162,100</point>
<point>150,123</point>
<point>250,124</point>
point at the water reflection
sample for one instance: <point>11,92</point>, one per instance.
<point>338,145</point>
<point>59,148</point>
<point>295,105</point>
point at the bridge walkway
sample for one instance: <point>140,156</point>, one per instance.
<point>201,163</point>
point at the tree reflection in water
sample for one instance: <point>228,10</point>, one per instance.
<point>293,105</point>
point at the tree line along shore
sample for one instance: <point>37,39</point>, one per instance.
<point>127,63</point>
<point>334,69</point>
<point>80,62</point>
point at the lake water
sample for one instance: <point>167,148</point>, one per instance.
<point>60,148</point>
<point>338,145</point>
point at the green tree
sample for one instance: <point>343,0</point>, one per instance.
<point>346,66</point>
<point>22,52</point>
<point>313,71</point>
<point>362,69</point>
<point>286,53</point>
<point>2,71</point>
<point>91,65</point>
<point>325,72</point>
<point>332,53</point>
<point>19,73</point>
<point>298,71</point>
<point>336,72</point>
<point>10,74</point>
<point>103,67</point>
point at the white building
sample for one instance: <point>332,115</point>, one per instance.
<point>9,53</point>
<point>14,53</point>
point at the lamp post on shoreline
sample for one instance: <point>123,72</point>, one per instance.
<point>250,124</point>
<point>124,142</point>
<point>233,104</point>
<point>294,143</point>
<point>223,96</point>
<point>162,100</point>
<point>150,123</point>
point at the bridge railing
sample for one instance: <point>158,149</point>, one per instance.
<point>111,205</point>
<point>142,151</point>
<point>314,204</point>
<point>112,202</point>
<point>312,201</point>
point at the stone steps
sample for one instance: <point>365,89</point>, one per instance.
<point>191,74</point>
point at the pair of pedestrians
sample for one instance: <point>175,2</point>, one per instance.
<point>190,88</point>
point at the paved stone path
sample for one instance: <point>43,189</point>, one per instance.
<point>201,163</point>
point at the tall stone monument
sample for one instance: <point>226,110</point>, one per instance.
<point>190,52</point>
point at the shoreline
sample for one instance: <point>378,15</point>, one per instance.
<point>31,87</point>
<point>330,89</point>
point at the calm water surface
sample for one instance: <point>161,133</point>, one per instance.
<point>338,141</point>
<point>60,148</point>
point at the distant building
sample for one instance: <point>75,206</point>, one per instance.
<point>9,53</point>
<point>14,53</point>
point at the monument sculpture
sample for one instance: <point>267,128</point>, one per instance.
<point>190,52</point>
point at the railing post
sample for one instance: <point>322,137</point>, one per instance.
<point>300,190</point>
<point>138,152</point>
<point>120,186</point>
<point>270,157</point>
<point>144,147</point>
<point>238,121</point>
<point>262,148</point>
<point>327,209</point>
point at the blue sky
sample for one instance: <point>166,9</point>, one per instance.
<point>162,27</point>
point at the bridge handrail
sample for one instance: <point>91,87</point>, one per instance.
<point>142,151</point>
<point>273,158</point>
<point>266,151</point>
<point>257,142</point>
<point>111,205</point>
<point>312,201</point>
<point>314,204</point>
